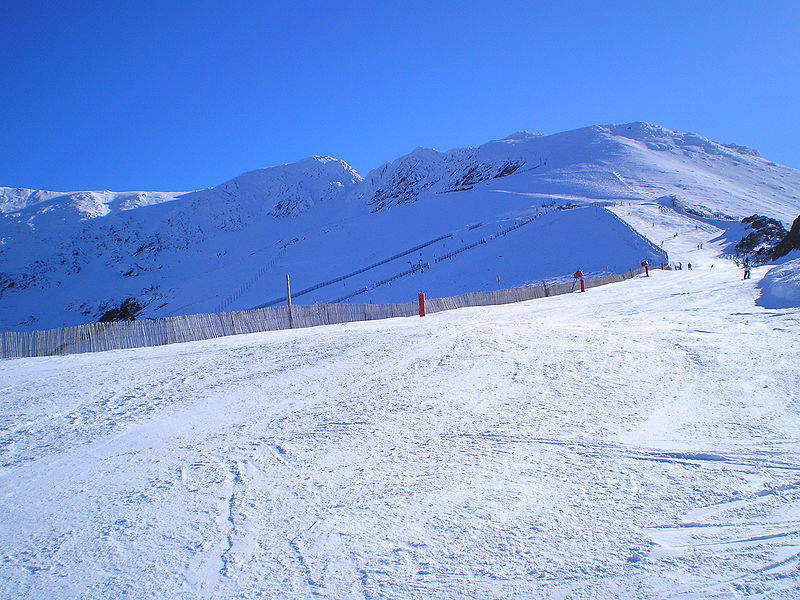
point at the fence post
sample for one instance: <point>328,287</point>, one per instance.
<point>421,298</point>
<point>289,301</point>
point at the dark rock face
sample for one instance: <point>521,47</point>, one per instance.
<point>764,235</point>
<point>126,311</point>
<point>790,242</point>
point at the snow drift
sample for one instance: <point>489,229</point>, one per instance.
<point>780,287</point>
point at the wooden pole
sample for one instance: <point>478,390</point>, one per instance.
<point>289,301</point>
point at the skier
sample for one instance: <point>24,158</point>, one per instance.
<point>690,266</point>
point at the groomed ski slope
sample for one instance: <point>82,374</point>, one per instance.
<point>641,440</point>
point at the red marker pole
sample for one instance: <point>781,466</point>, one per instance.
<point>421,298</point>
<point>579,276</point>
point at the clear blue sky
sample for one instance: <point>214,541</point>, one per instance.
<point>172,95</point>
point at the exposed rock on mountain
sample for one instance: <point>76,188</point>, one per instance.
<point>764,234</point>
<point>790,242</point>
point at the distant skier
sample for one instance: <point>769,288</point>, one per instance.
<point>747,272</point>
<point>690,266</point>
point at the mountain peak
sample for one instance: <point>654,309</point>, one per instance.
<point>424,152</point>
<point>657,137</point>
<point>522,135</point>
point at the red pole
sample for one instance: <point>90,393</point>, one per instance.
<point>421,298</point>
<point>646,271</point>
<point>583,287</point>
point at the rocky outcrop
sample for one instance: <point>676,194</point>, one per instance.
<point>790,242</point>
<point>764,234</point>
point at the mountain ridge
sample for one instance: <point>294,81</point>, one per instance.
<point>68,257</point>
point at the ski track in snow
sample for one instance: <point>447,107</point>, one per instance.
<point>636,441</point>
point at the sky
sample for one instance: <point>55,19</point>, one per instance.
<point>178,95</point>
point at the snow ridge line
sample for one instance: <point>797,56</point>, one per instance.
<point>99,337</point>
<point>306,570</point>
<point>649,242</point>
<point>226,558</point>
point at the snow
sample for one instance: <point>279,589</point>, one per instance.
<point>636,441</point>
<point>66,258</point>
<point>31,202</point>
<point>522,135</point>
<point>780,287</point>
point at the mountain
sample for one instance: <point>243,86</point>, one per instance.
<point>509,212</point>
<point>635,161</point>
<point>74,254</point>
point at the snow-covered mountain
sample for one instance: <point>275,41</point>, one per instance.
<point>83,249</point>
<point>633,161</point>
<point>446,222</point>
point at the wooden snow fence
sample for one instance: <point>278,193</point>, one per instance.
<point>98,337</point>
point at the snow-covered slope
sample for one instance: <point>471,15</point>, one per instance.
<point>37,205</point>
<point>780,287</point>
<point>67,258</point>
<point>639,441</point>
<point>284,191</point>
<point>634,161</point>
